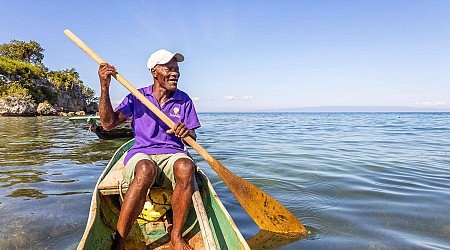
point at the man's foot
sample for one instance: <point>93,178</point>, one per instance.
<point>179,244</point>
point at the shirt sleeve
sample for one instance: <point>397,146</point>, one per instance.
<point>190,116</point>
<point>126,106</point>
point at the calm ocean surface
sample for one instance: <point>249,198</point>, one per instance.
<point>355,180</point>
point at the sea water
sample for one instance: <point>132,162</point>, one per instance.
<point>355,180</point>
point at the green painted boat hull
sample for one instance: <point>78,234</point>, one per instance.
<point>105,209</point>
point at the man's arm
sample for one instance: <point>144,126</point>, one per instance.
<point>108,117</point>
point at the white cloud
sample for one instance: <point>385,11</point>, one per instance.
<point>229,98</point>
<point>234,98</point>
<point>431,104</point>
<point>195,99</point>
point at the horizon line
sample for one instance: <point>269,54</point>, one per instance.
<point>331,109</point>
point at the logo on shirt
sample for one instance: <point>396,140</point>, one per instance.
<point>175,112</point>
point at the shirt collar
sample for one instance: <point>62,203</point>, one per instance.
<point>176,96</point>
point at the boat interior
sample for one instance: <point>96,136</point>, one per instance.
<point>148,231</point>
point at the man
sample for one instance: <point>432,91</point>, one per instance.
<point>158,155</point>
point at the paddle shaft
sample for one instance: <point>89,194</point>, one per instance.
<point>267,213</point>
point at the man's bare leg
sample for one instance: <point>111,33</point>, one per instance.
<point>133,203</point>
<point>181,200</point>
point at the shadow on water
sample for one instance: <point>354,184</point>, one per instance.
<point>269,240</point>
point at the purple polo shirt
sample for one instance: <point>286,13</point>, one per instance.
<point>149,131</point>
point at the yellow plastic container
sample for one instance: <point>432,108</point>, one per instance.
<point>156,205</point>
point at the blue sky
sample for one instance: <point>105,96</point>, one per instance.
<point>255,55</point>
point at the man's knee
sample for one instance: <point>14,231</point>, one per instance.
<point>145,172</point>
<point>183,171</point>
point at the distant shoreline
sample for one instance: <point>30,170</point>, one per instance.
<point>60,114</point>
<point>324,112</point>
<point>342,109</point>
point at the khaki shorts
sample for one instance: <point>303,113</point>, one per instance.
<point>164,167</point>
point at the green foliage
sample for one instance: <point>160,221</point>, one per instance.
<point>65,78</point>
<point>68,78</point>
<point>10,67</point>
<point>24,59</point>
<point>42,93</point>
<point>13,89</point>
<point>26,88</point>
<point>45,93</point>
<point>29,52</point>
<point>89,94</point>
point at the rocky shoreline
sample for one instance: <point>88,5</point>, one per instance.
<point>68,102</point>
<point>28,88</point>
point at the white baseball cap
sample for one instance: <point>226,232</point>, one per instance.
<point>163,56</point>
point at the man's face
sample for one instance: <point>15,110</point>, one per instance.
<point>166,75</point>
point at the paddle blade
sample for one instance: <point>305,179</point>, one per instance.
<point>267,213</point>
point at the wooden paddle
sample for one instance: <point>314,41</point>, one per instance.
<point>267,213</point>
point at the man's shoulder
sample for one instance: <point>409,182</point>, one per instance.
<point>181,95</point>
<point>143,90</point>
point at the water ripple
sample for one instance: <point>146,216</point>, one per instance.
<point>355,180</point>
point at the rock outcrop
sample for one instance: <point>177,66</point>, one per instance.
<point>71,100</point>
<point>66,101</point>
<point>19,105</point>
<point>46,108</point>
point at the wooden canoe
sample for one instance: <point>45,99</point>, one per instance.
<point>105,207</point>
<point>92,123</point>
